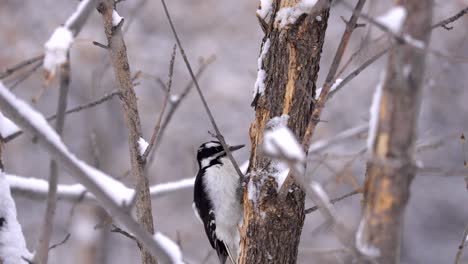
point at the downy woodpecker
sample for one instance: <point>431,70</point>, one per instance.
<point>216,199</point>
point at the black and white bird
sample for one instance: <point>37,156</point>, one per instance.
<point>216,199</point>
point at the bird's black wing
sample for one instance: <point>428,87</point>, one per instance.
<point>206,213</point>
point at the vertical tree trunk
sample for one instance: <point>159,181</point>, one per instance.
<point>289,59</point>
<point>392,168</point>
<point>118,55</point>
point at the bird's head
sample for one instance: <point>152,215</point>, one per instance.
<point>211,152</point>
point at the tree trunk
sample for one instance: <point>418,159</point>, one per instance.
<point>290,59</point>
<point>391,169</point>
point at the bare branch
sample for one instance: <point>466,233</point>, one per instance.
<point>318,146</point>
<point>461,247</point>
<point>330,79</point>
<point>42,248</point>
<point>176,101</point>
<point>163,108</point>
<point>333,201</point>
<point>13,69</point>
<point>76,109</point>
<point>219,136</point>
<point>65,239</point>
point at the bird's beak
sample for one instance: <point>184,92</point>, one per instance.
<point>234,148</point>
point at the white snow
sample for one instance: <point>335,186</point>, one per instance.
<point>252,192</point>
<point>171,248</point>
<point>12,243</point>
<point>277,122</point>
<point>142,146</point>
<point>288,15</point>
<point>393,19</point>
<point>164,188</point>
<point>362,247</point>
<point>414,42</point>
<point>174,98</point>
<point>56,49</point>
<point>35,185</point>
<point>280,173</point>
<point>261,74</point>
<point>110,186</point>
<point>265,8</point>
<point>40,187</point>
<point>7,127</point>
<point>335,84</point>
<point>374,114</point>
<point>281,142</point>
<point>116,18</point>
<point>244,166</point>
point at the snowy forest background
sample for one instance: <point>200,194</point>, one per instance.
<point>436,214</point>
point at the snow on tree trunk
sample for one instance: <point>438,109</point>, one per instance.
<point>290,56</point>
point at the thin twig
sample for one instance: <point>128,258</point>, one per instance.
<point>61,242</point>
<point>176,103</point>
<point>76,109</point>
<point>42,248</point>
<point>157,127</point>
<point>449,20</point>
<point>356,72</point>
<point>318,146</point>
<point>330,79</point>
<point>13,69</point>
<point>219,136</point>
<point>333,201</point>
<point>118,230</point>
<point>461,247</point>
<point>26,75</point>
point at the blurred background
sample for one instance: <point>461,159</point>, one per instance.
<point>437,211</point>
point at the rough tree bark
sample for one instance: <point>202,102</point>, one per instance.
<point>392,167</point>
<point>273,223</point>
<point>118,55</point>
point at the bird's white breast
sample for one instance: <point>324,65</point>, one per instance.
<point>221,183</point>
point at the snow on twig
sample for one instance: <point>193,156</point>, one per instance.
<point>59,43</point>
<point>116,18</point>
<point>393,19</point>
<point>142,146</point>
<point>265,8</point>
<point>374,114</point>
<point>170,247</point>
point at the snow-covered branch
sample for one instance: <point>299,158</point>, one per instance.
<point>106,191</point>
<point>12,244</point>
<point>37,189</point>
<point>59,43</point>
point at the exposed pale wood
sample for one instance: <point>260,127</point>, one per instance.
<point>272,226</point>
<point>391,167</point>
